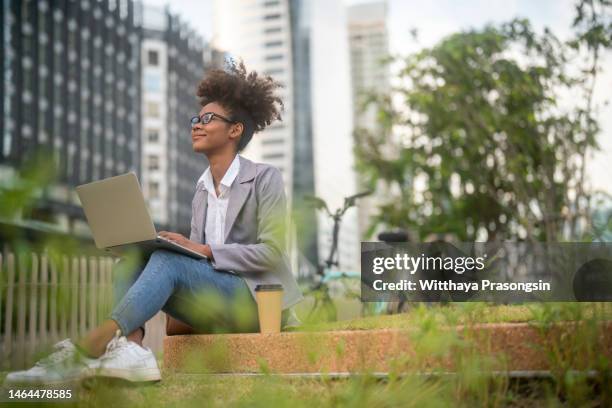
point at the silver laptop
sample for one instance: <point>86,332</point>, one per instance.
<point>118,216</point>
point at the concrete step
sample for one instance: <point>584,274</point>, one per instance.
<point>516,347</point>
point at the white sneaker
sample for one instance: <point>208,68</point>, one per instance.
<point>65,364</point>
<point>127,360</point>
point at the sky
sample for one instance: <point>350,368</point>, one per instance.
<point>438,18</point>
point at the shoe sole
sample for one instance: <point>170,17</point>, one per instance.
<point>140,375</point>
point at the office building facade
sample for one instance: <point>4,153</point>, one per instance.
<point>303,160</point>
<point>174,59</point>
<point>260,34</point>
<point>104,87</point>
<point>369,45</point>
<point>332,124</point>
<point>71,86</point>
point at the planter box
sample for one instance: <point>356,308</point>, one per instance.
<point>492,347</point>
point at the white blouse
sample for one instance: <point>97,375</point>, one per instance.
<point>217,206</point>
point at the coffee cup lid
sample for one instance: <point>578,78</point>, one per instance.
<point>268,287</point>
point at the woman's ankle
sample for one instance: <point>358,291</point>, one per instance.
<point>136,336</point>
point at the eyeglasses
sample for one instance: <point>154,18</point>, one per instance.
<point>207,117</point>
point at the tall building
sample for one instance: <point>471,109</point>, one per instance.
<point>304,45</point>
<point>369,44</point>
<point>332,124</point>
<point>174,59</point>
<point>71,84</point>
<point>259,32</point>
<point>303,158</point>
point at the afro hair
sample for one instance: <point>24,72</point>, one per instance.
<point>248,96</point>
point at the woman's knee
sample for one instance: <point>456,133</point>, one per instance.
<point>164,262</point>
<point>161,256</point>
<point>164,254</point>
<point>167,256</point>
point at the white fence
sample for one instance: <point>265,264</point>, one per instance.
<point>43,301</point>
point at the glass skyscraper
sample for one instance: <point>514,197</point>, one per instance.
<point>71,85</point>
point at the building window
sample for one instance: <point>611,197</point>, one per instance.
<point>274,71</point>
<point>153,189</point>
<point>273,156</point>
<point>274,57</point>
<point>152,82</point>
<point>153,109</point>
<point>271,3</point>
<point>272,30</point>
<point>272,16</point>
<point>153,162</point>
<point>153,135</point>
<point>153,58</point>
<point>272,141</point>
<point>271,44</point>
<point>276,125</point>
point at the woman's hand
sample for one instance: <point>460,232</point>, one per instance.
<point>183,241</point>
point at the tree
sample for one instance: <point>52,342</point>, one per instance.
<point>481,143</point>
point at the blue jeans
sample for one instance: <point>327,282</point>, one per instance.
<point>187,289</point>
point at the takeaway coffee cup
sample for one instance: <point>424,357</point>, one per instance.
<point>269,307</point>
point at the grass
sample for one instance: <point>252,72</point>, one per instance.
<point>470,313</point>
<point>361,391</point>
<point>270,391</point>
<point>211,391</point>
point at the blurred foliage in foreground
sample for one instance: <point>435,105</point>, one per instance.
<point>21,192</point>
<point>488,134</point>
<point>18,193</point>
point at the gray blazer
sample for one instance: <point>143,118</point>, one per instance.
<point>255,227</point>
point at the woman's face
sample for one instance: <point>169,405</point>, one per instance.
<point>217,135</point>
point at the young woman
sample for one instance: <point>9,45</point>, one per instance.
<point>238,221</point>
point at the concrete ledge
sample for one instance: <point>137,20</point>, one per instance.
<point>494,347</point>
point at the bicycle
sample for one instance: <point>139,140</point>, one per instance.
<point>323,302</point>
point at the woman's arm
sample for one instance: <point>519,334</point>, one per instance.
<point>271,221</point>
<point>203,249</point>
<point>264,255</point>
